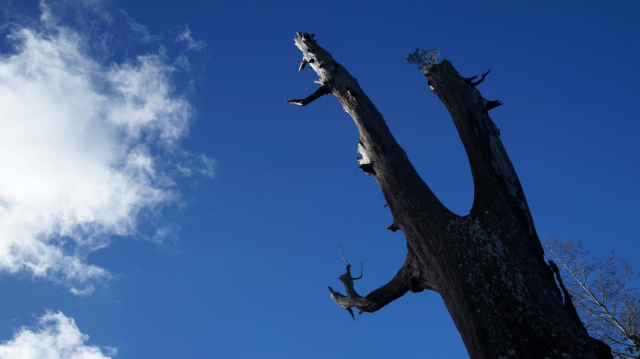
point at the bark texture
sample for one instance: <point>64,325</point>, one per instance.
<point>488,266</point>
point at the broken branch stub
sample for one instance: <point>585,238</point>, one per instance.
<point>469,80</point>
<point>321,91</point>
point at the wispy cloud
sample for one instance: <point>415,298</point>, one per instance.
<point>55,336</point>
<point>145,35</point>
<point>55,12</point>
<point>192,44</point>
<point>199,164</point>
<point>77,142</point>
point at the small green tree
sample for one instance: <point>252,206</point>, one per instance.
<point>425,59</point>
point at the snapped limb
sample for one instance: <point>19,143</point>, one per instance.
<point>405,280</point>
<point>469,80</point>
<point>321,91</point>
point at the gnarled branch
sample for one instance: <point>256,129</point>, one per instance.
<point>405,280</point>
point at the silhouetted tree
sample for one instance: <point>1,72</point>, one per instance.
<point>488,266</point>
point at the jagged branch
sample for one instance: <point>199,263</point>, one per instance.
<point>405,280</point>
<point>490,105</point>
<point>321,91</point>
<point>469,80</point>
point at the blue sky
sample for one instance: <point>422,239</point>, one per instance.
<point>159,199</point>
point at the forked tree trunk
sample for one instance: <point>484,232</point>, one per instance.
<point>488,266</point>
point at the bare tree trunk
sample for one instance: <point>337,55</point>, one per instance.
<point>488,266</point>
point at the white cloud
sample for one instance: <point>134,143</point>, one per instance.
<point>54,12</point>
<point>141,29</point>
<point>198,164</point>
<point>56,336</point>
<point>191,43</point>
<point>76,152</point>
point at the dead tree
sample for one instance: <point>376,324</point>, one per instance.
<point>488,266</point>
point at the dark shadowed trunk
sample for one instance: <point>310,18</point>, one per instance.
<point>488,266</point>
